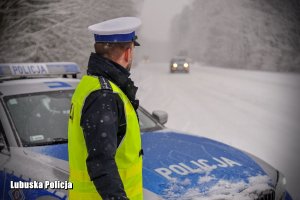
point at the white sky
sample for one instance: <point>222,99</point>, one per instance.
<point>156,17</point>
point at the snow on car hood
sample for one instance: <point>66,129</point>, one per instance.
<point>191,167</point>
<point>183,166</point>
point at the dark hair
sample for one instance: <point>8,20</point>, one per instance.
<point>112,51</point>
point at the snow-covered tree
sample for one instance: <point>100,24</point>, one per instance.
<point>256,34</point>
<point>54,30</point>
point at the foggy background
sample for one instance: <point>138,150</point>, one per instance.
<point>257,35</point>
<point>253,34</point>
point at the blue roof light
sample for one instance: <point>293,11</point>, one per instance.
<point>38,69</point>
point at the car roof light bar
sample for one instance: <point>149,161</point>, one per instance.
<point>38,69</point>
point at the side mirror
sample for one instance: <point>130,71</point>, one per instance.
<point>160,116</point>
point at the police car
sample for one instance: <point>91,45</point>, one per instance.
<point>34,109</point>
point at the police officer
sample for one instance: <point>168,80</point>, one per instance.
<point>105,154</point>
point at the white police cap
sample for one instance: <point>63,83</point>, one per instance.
<point>116,30</point>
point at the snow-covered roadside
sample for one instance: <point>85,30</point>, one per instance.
<point>255,111</point>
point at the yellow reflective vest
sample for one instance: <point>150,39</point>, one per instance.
<point>127,157</point>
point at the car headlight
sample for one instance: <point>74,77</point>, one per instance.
<point>277,178</point>
<point>185,65</point>
<point>175,65</point>
<point>280,187</point>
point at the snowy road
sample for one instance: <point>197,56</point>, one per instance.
<point>254,111</point>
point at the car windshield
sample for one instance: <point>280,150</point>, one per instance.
<point>42,118</point>
<point>179,60</point>
<point>146,122</point>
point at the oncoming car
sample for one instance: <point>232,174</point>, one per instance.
<point>179,64</point>
<point>34,112</point>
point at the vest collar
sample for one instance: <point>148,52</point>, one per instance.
<point>100,66</point>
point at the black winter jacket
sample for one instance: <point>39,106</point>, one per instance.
<point>104,125</point>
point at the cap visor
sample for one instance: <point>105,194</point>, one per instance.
<point>136,43</point>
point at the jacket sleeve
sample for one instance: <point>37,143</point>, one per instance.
<point>100,119</point>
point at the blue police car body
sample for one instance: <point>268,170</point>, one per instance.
<point>176,165</point>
